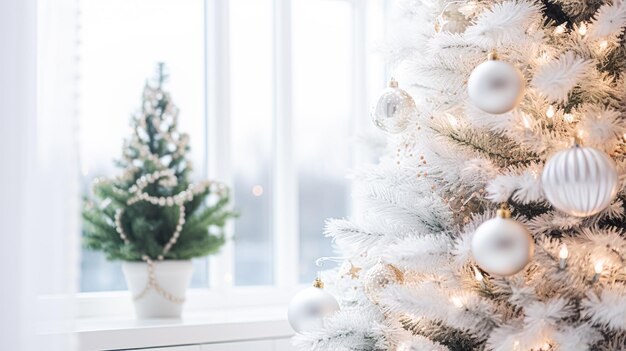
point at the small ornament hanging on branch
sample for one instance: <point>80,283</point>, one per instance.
<point>350,270</point>
<point>501,245</point>
<point>580,181</point>
<point>309,307</point>
<point>378,277</point>
<point>496,86</point>
<point>394,109</point>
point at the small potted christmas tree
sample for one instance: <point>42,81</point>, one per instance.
<point>151,216</point>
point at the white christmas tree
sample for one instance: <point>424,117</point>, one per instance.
<point>519,106</point>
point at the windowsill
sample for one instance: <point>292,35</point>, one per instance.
<point>206,327</point>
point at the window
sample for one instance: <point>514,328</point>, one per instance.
<point>252,135</point>
<point>272,97</point>
<point>322,120</point>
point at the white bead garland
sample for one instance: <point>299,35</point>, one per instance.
<point>154,284</point>
<point>118,226</point>
<point>170,180</point>
<point>152,281</point>
<point>165,177</point>
<point>179,228</point>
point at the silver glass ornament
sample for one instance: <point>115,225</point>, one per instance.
<point>394,109</point>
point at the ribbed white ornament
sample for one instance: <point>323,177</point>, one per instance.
<point>580,181</point>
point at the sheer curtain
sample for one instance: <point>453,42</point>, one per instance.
<point>39,189</point>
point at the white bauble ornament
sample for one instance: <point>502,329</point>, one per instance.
<point>580,181</point>
<point>308,308</point>
<point>502,246</point>
<point>378,277</point>
<point>394,109</point>
<point>496,86</point>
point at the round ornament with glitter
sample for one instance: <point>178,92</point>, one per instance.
<point>394,109</point>
<point>309,307</point>
<point>378,277</point>
<point>495,86</point>
<point>580,181</point>
<point>502,246</point>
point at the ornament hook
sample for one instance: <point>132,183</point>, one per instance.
<point>320,261</point>
<point>578,138</point>
<point>318,283</point>
<point>504,211</point>
<point>493,55</point>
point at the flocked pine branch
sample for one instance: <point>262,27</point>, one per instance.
<point>421,204</point>
<point>557,78</point>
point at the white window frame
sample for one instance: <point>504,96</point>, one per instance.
<point>221,292</point>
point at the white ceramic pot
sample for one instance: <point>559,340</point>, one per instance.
<point>172,276</point>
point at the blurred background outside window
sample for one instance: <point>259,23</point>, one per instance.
<point>120,42</point>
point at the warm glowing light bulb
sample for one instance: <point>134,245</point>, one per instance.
<point>534,173</point>
<point>598,267</point>
<point>603,44</point>
<point>453,121</point>
<point>582,30</point>
<point>568,117</point>
<point>563,253</point>
<point>550,111</point>
<point>457,301</point>
<point>228,278</point>
<point>516,346</point>
<point>404,346</point>
<point>479,276</point>
<point>560,29</point>
<point>526,121</point>
<point>545,346</point>
<point>257,190</point>
<point>544,57</point>
<point>85,169</point>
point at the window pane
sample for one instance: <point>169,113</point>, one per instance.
<point>251,131</point>
<point>322,107</point>
<point>120,43</point>
<point>377,75</point>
